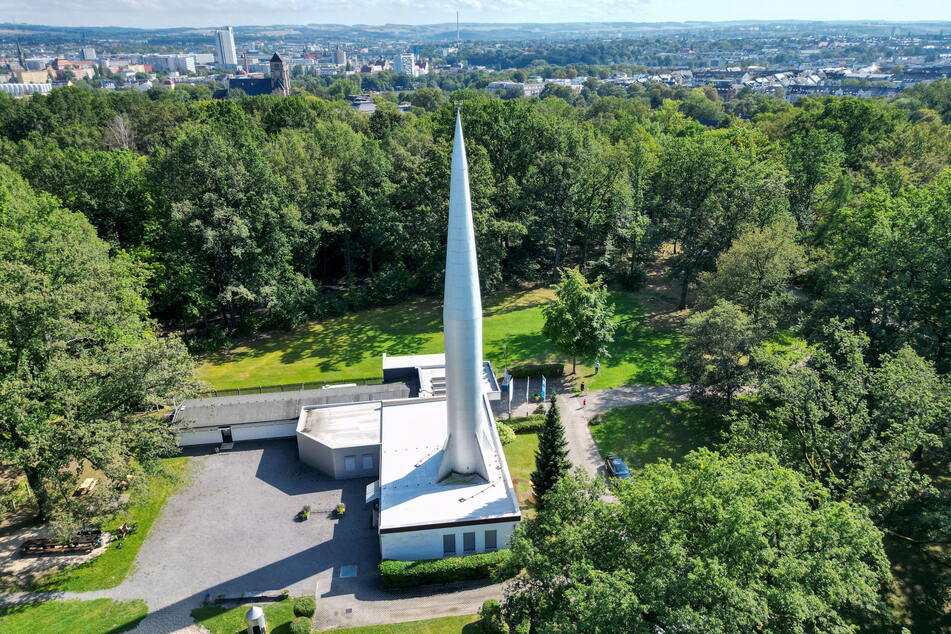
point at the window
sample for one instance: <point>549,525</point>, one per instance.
<point>491,539</point>
<point>449,544</point>
<point>350,463</point>
<point>368,461</point>
<point>468,542</point>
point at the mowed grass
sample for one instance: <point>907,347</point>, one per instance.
<point>220,620</point>
<point>466,624</point>
<point>350,347</point>
<point>642,434</point>
<point>520,456</point>
<point>101,616</point>
<point>111,567</point>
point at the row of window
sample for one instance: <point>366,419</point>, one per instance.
<point>350,462</point>
<point>468,542</point>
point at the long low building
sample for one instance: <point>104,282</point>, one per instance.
<point>227,419</point>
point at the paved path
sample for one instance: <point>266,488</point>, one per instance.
<point>577,409</point>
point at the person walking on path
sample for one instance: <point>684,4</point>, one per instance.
<point>597,367</point>
<point>582,388</point>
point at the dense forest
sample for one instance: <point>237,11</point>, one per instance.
<point>125,213</point>
<point>260,212</point>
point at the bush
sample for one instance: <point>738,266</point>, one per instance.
<point>408,574</point>
<point>536,370</point>
<point>301,625</point>
<point>305,606</point>
<point>491,618</point>
<point>506,434</point>
<point>526,424</point>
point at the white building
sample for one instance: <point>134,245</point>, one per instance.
<point>171,63</point>
<point>227,56</point>
<point>20,90</point>
<point>405,63</point>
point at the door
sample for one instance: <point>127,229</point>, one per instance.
<point>226,435</point>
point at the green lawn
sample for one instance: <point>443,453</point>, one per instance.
<point>351,346</point>
<point>111,567</point>
<point>520,456</point>
<point>102,616</point>
<point>467,624</point>
<point>219,620</point>
<point>642,434</point>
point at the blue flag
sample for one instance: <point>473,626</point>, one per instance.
<point>544,385</point>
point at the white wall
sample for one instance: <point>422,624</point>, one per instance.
<point>428,544</point>
<point>199,437</point>
<point>256,431</point>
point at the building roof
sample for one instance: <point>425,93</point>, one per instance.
<point>275,406</point>
<point>411,495</point>
<point>431,368</point>
<point>276,58</point>
<point>352,425</point>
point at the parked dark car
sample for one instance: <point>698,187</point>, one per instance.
<point>617,468</point>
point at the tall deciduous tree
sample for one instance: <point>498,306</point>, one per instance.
<point>718,344</point>
<point>716,545</point>
<point>709,188</point>
<point>551,457</point>
<point>578,321</point>
<point>78,362</point>
<point>858,430</point>
<point>754,273</point>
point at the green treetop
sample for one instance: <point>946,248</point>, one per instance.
<point>551,457</point>
<point>579,322</point>
<point>714,545</point>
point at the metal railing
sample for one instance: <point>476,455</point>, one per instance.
<point>290,387</point>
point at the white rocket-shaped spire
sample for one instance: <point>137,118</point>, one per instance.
<point>462,324</point>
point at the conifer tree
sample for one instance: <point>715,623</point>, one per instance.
<point>551,457</point>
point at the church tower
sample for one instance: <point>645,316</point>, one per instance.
<point>280,76</point>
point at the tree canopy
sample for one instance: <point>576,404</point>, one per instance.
<point>717,544</point>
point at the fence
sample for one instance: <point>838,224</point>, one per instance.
<point>290,387</point>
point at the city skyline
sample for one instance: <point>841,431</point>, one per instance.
<point>180,13</point>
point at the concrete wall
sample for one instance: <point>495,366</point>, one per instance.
<point>333,461</point>
<point>428,544</point>
<point>190,437</point>
<point>247,431</point>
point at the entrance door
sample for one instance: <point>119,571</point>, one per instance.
<point>227,442</point>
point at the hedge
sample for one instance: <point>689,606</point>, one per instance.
<point>535,370</point>
<point>526,424</point>
<point>301,625</point>
<point>305,606</point>
<point>408,574</point>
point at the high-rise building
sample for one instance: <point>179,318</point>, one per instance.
<point>340,57</point>
<point>88,53</point>
<point>405,63</point>
<point>227,57</point>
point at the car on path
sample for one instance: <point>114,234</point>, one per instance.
<point>617,468</point>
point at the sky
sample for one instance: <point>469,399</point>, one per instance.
<point>171,13</point>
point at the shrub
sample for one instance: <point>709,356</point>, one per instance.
<point>526,424</point>
<point>491,618</point>
<point>506,434</point>
<point>301,625</point>
<point>536,370</point>
<point>305,606</point>
<point>408,574</point>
